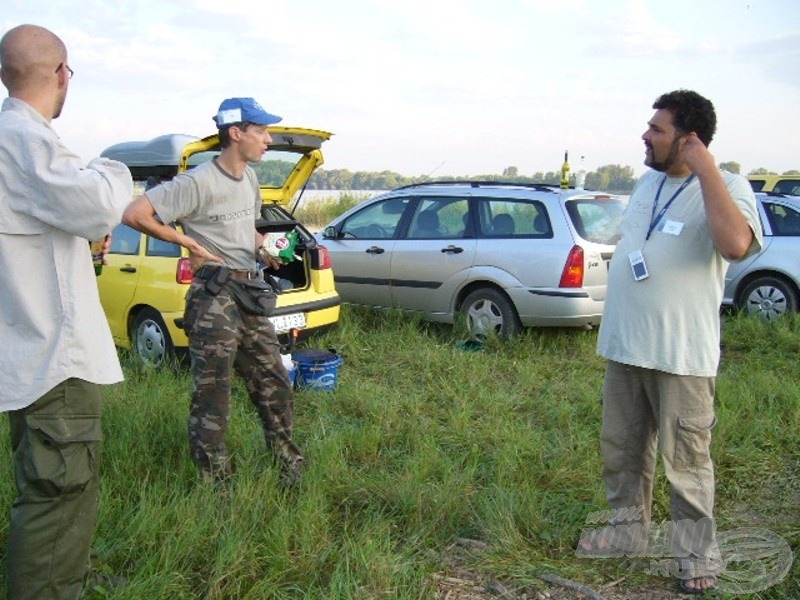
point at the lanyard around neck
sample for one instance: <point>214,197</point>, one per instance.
<point>655,219</point>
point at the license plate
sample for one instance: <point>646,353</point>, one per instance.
<point>284,323</point>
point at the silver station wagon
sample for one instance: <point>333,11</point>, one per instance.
<point>506,256</point>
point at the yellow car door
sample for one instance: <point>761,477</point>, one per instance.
<point>118,280</point>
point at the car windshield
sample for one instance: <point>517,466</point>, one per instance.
<point>597,219</point>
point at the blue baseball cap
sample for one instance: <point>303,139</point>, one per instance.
<point>241,110</point>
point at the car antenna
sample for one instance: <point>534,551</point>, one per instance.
<point>436,168</point>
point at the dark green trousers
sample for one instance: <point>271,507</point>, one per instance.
<point>56,446</point>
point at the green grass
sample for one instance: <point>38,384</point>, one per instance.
<point>421,444</point>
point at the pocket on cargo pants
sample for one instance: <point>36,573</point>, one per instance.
<point>62,454</point>
<point>693,440</point>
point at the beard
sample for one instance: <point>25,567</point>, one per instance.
<point>60,104</point>
<point>671,158</point>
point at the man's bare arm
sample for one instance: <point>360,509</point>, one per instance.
<point>729,228</point>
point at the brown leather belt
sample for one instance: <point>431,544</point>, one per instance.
<point>205,272</point>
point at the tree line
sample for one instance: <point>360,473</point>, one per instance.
<point>610,178</point>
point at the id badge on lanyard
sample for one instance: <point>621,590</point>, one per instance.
<point>638,264</point>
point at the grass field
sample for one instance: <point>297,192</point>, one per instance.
<point>433,472</point>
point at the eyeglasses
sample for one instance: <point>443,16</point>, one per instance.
<point>65,65</point>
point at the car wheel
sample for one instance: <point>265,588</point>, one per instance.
<point>490,312</point>
<point>151,341</point>
<point>768,297</point>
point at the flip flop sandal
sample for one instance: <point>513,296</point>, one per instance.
<point>692,590</point>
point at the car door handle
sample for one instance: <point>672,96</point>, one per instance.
<point>128,269</point>
<point>375,250</point>
<point>452,249</point>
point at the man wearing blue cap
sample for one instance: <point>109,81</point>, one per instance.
<point>217,204</point>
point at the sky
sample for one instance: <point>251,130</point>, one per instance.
<point>434,87</point>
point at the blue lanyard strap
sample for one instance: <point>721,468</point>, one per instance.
<point>655,219</point>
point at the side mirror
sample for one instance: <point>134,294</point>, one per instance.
<point>329,233</point>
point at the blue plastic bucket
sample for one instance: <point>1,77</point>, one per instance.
<point>291,368</point>
<point>293,375</point>
<point>317,369</point>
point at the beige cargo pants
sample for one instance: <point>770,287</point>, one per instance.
<point>645,411</point>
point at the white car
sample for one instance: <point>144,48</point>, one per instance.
<point>768,283</point>
<point>504,255</point>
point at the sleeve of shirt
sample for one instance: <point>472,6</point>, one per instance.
<point>742,193</point>
<point>175,199</point>
<point>85,201</point>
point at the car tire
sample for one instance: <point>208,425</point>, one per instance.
<point>490,312</point>
<point>768,297</point>
<point>150,339</point>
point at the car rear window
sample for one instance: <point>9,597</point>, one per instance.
<point>272,170</point>
<point>784,220</point>
<point>597,220</point>
<point>511,218</point>
<point>788,186</point>
<point>439,217</point>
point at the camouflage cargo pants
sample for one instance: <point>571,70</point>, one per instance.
<point>223,338</point>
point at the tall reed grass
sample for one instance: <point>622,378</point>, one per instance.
<point>317,213</point>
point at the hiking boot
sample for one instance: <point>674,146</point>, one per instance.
<point>96,581</point>
<point>291,473</point>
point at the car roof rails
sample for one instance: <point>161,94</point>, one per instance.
<point>543,187</point>
<point>773,194</point>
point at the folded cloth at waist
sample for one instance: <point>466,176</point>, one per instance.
<point>206,272</point>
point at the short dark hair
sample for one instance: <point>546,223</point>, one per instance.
<point>690,113</point>
<point>225,133</point>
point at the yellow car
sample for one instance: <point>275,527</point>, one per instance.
<point>144,281</point>
<point>779,184</point>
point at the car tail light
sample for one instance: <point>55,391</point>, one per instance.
<point>572,277</point>
<point>320,258</point>
<point>183,273</point>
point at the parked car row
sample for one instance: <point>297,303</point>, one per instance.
<point>505,256</point>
